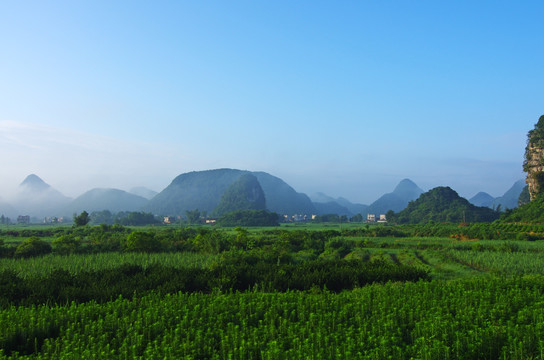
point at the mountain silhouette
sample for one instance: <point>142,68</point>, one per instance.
<point>397,200</point>
<point>143,192</point>
<point>482,199</point>
<point>331,207</point>
<point>510,198</point>
<point>325,204</point>
<point>37,198</point>
<point>203,190</point>
<point>114,200</point>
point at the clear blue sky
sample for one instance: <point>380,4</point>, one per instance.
<point>343,97</point>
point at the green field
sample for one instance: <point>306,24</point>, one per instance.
<point>202,293</point>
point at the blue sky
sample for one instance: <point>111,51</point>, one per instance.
<point>344,97</point>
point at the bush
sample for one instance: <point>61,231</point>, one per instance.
<point>249,218</point>
<point>65,244</point>
<point>141,241</point>
<point>33,246</point>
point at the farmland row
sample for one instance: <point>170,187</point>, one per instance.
<point>463,319</point>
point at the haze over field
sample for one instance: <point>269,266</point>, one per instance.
<point>343,98</point>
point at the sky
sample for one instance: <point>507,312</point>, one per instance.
<point>341,97</point>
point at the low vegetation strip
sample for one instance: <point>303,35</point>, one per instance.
<point>463,319</point>
<point>237,274</point>
<point>76,263</point>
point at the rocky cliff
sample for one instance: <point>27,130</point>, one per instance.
<point>534,159</point>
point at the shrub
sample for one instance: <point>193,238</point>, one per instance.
<point>65,244</point>
<point>141,241</point>
<point>33,246</point>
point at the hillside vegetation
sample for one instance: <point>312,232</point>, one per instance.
<point>244,194</point>
<point>442,204</point>
<point>204,190</point>
<point>529,213</point>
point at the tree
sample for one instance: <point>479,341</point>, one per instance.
<point>357,218</point>
<point>82,219</point>
<point>141,241</point>
<point>102,217</point>
<point>193,216</point>
<point>135,218</point>
<point>524,197</point>
<point>65,244</point>
<point>249,218</point>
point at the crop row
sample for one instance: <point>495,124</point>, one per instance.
<point>468,319</point>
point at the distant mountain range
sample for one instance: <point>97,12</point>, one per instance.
<point>508,201</point>
<point>143,192</point>
<point>114,200</point>
<point>38,198</point>
<point>397,200</point>
<point>216,192</point>
<point>482,199</point>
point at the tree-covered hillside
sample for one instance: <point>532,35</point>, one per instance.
<point>442,204</point>
<point>203,190</point>
<point>244,194</point>
<point>529,213</point>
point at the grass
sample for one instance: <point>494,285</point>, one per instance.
<point>76,263</point>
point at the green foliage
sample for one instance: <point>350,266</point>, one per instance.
<point>66,244</point>
<point>538,177</point>
<point>6,251</point>
<point>135,218</point>
<point>102,217</point>
<point>209,242</point>
<point>33,246</point>
<point>375,292</point>
<point>524,197</point>
<point>442,204</point>
<point>126,218</point>
<point>244,194</point>
<point>82,219</point>
<point>530,213</point>
<point>249,218</point>
<point>140,241</point>
<point>465,320</point>
<point>193,216</point>
<point>356,218</point>
<point>235,272</point>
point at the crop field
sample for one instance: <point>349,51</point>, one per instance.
<point>271,293</point>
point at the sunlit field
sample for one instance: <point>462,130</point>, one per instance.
<point>291,292</point>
